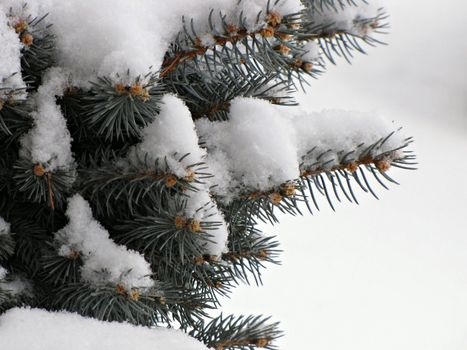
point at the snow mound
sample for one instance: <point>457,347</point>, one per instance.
<point>26,329</point>
<point>262,146</point>
<point>104,260</point>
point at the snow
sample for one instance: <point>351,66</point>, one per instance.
<point>10,58</point>
<point>104,260</point>
<point>262,146</point>
<point>340,131</point>
<point>349,18</point>
<point>172,136</point>
<point>3,272</point>
<point>17,285</point>
<point>4,227</point>
<point>172,131</point>
<point>201,207</point>
<point>312,53</point>
<point>110,37</point>
<point>23,328</point>
<point>256,156</point>
<point>49,141</point>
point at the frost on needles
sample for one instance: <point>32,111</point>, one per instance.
<point>141,143</point>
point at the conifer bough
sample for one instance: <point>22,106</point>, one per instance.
<point>140,147</point>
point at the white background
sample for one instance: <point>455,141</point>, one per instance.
<point>388,274</point>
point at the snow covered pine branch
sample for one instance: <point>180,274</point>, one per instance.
<point>140,143</point>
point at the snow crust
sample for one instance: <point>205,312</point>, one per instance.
<point>262,146</point>
<point>104,260</point>
<point>26,329</point>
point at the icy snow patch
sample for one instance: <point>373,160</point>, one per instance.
<point>104,260</point>
<point>26,329</point>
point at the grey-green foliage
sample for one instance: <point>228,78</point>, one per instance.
<point>139,205</point>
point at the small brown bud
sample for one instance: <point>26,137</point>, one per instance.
<point>198,43</point>
<point>170,181</point>
<point>162,300</point>
<point>194,226</point>
<point>145,96</point>
<point>134,295</point>
<point>220,40</point>
<point>275,198</point>
<point>294,26</point>
<point>120,89</point>
<point>262,254</point>
<point>288,189</point>
<point>2,103</point>
<point>307,67</point>
<point>261,343</point>
<point>198,260</point>
<point>21,26</point>
<point>283,49</point>
<point>136,90</point>
<point>267,32</point>
<point>120,289</point>
<point>27,39</point>
<point>352,167</point>
<point>253,195</point>
<point>190,175</point>
<point>39,170</point>
<point>298,63</point>
<point>273,18</point>
<point>383,165</point>
<point>73,255</point>
<point>232,28</point>
<point>213,258</point>
<point>180,222</point>
<point>284,36</point>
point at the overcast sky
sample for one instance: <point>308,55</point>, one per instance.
<point>388,274</point>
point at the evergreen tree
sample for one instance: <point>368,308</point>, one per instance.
<point>134,196</point>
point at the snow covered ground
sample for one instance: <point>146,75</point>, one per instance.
<point>388,274</point>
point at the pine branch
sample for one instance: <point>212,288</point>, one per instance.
<point>248,251</point>
<point>334,36</point>
<point>38,48</point>
<point>115,185</point>
<point>272,49</point>
<point>327,176</point>
<point>237,333</point>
